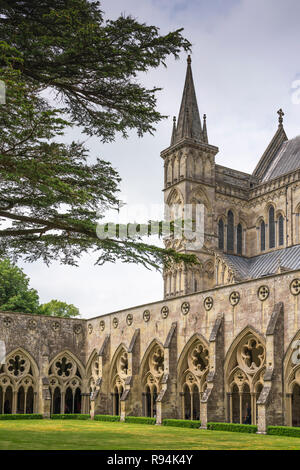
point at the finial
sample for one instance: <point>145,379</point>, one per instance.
<point>280,114</point>
<point>189,60</point>
<point>204,117</point>
<point>174,119</point>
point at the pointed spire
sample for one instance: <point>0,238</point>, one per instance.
<point>204,132</point>
<point>189,123</point>
<point>173,138</point>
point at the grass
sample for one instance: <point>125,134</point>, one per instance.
<point>99,435</point>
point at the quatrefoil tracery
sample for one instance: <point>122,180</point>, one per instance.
<point>252,355</point>
<point>157,361</point>
<point>64,367</point>
<point>123,364</point>
<point>234,298</point>
<point>198,359</point>
<point>295,287</point>
<point>17,365</point>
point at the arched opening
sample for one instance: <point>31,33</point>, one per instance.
<point>239,239</point>
<point>69,401</point>
<point>262,236</point>
<point>258,392</point>
<point>148,402</point>
<point>230,231</point>
<point>77,401</point>
<point>235,405</point>
<point>296,406</point>
<point>196,403</point>
<point>246,405</point>
<point>221,234</point>
<point>271,227</point>
<point>8,401</point>
<point>280,231</point>
<point>117,400</point>
<point>29,401</point>
<point>187,402</point>
<point>21,401</point>
<point>56,401</point>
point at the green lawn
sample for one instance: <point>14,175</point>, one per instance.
<point>92,435</point>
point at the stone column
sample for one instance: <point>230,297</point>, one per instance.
<point>46,398</point>
<point>14,402</point>
<point>289,417</point>
<point>213,400</point>
<point>270,403</point>
<point>166,403</point>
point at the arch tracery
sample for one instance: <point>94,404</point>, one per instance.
<point>66,384</point>
<point>153,366</point>
<point>192,372</point>
<point>18,383</point>
<point>244,371</point>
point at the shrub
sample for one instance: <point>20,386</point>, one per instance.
<point>70,416</point>
<point>283,431</point>
<point>140,420</point>
<point>21,416</point>
<point>181,423</point>
<point>107,418</point>
<point>232,427</point>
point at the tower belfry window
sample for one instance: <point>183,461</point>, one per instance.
<point>280,231</point>
<point>262,236</point>
<point>230,231</point>
<point>271,227</point>
<point>221,234</point>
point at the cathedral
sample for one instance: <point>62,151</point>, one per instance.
<point>222,345</point>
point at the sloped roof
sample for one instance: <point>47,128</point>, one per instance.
<point>270,153</point>
<point>286,160</point>
<point>265,264</point>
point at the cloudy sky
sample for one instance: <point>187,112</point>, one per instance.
<point>245,63</point>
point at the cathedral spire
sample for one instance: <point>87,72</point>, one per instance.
<point>173,138</point>
<point>204,132</point>
<point>189,123</point>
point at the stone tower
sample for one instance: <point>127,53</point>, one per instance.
<point>189,178</point>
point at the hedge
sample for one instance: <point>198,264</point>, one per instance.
<point>283,431</point>
<point>21,416</point>
<point>140,420</point>
<point>107,418</point>
<point>182,423</point>
<point>70,416</point>
<point>232,427</point>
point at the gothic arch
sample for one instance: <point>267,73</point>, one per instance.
<point>244,368</point>
<point>192,370</point>
<point>291,369</point>
<point>154,342</point>
<point>119,365</point>
<point>29,357</point>
<point>93,371</point>
<point>175,197</point>
<point>248,329</point>
<point>151,374</point>
<point>196,337</point>
<point>18,383</point>
<point>199,196</point>
<point>73,357</point>
<point>67,382</point>
<point>176,169</point>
